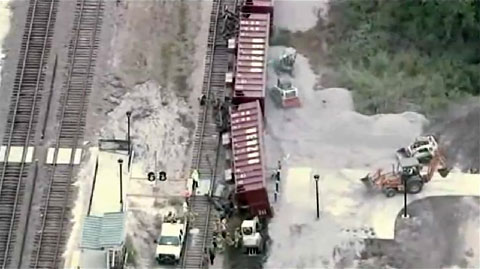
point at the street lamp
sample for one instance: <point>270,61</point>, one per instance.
<point>405,215</point>
<point>120,162</point>
<point>317,177</point>
<point>129,114</point>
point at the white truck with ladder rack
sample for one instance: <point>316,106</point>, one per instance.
<point>171,241</point>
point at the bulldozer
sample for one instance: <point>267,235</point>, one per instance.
<point>286,62</point>
<point>284,94</point>
<point>409,172</point>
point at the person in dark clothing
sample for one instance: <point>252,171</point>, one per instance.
<point>203,100</point>
<point>211,252</point>
<point>194,185</point>
<point>214,242</point>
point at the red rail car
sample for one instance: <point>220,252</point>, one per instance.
<point>258,6</point>
<point>251,61</point>
<point>248,158</point>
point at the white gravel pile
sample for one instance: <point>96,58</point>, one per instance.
<point>156,125</point>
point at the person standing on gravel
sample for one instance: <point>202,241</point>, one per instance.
<point>237,236</point>
<point>211,253</point>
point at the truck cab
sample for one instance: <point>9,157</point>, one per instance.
<point>170,242</point>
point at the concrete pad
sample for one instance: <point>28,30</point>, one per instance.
<point>106,194</point>
<point>78,156</point>
<point>3,149</point>
<point>343,196</point>
<point>15,155</point>
<point>64,155</point>
<point>50,155</point>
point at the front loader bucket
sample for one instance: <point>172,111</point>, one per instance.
<point>291,102</point>
<point>444,172</point>
<point>401,153</point>
<point>367,181</point>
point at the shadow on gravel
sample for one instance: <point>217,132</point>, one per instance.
<point>436,236</point>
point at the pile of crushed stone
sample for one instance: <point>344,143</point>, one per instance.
<point>458,133</point>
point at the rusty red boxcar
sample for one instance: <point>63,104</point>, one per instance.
<point>251,61</point>
<point>258,6</point>
<point>248,158</point>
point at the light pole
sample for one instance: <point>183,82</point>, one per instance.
<point>405,215</point>
<point>120,162</point>
<point>317,177</point>
<point>129,114</point>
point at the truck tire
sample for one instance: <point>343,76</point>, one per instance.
<point>390,192</point>
<point>414,185</point>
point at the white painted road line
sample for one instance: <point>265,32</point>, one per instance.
<point>15,154</point>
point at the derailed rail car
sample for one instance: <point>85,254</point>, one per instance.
<point>248,158</point>
<point>251,61</point>
<point>258,6</point>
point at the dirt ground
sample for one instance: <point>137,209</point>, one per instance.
<point>458,129</point>
<point>150,63</point>
<point>441,225</point>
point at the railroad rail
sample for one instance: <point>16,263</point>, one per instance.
<point>207,139</point>
<point>56,208</point>
<point>22,120</point>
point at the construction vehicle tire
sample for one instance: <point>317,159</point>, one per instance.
<point>390,192</point>
<point>414,185</point>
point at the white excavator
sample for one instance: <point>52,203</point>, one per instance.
<point>253,241</point>
<point>286,62</point>
<point>423,149</point>
<point>284,94</point>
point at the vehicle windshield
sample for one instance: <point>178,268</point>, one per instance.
<point>247,231</point>
<point>289,94</point>
<point>169,240</point>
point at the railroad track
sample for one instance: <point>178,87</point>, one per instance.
<point>207,139</point>
<point>55,211</point>
<point>22,120</point>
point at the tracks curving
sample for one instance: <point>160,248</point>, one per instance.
<point>23,117</point>
<point>207,139</point>
<point>56,208</point>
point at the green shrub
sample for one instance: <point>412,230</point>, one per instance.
<point>393,54</point>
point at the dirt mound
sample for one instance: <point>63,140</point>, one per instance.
<point>458,131</point>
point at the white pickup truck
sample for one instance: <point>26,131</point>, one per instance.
<point>170,242</point>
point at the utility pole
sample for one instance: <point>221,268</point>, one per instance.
<point>317,177</point>
<point>120,162</point>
